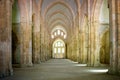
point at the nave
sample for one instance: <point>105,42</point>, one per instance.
<point>39,39</point>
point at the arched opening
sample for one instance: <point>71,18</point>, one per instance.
<point>59,49</point>
<point>104,33</point>
<point>104,49</point>
<point>16,33</point>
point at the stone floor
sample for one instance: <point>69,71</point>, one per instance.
<point>61,69</point>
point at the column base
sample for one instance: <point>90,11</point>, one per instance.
<point>2,75</point>
<point>37,62</point>
<point>97,65</point>
<point>26,65</point>
<point>113,72</point>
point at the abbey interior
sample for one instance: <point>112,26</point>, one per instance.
<point>59,40</point>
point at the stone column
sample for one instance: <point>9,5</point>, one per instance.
<point>26,32</point>
<point>92,44</point>
<point>5,38</point>
<point>85,41</point>
<point>118,24</point>
<point>89,28</point>
<point>42,43</point>
<point>92,27</point>
<point>36,40</point>
<point>113,38</point>
<point>36,32</point>
<point>97,44</point>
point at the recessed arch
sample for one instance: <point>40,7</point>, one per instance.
<point>104,33</point>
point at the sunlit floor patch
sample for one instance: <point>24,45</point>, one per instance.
<point>74,62</point>
<point>99,71</point>
<point>80,65</point>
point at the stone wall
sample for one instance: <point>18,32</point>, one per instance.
<point>5,38</point>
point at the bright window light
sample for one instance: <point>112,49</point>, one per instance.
<point>55,33</point>
<point>59,49</point>
<point>52,36</point>
<point>55,50</point>
<point>61,33</point>
<point>64,36</point>
<point>58,31</point>
<point>59,43</point>
<point>99,71</point>
<point>56,45</point>
<point>62,44</point>
<point>63,50</point>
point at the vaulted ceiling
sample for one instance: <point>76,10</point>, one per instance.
<point>59,13</point>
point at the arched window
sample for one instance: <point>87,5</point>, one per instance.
<point>58,49</point>
<point>59,33</point>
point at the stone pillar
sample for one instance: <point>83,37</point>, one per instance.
<point>26,41</point>
<point>36,40</point>
<point>42,44</point>
<point>118,24</point>
<point>36,32</point>
<point>85,41</point>
<point>26,32</point>
<point>92,27</point>
<point>97,44</point>
<point>5,38</point>
<point>89,34</point>
<point>78,45</point>
<point>36,47</point>
<point>92,44</point>
<point>113,38</point>
<point>16,33</point>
